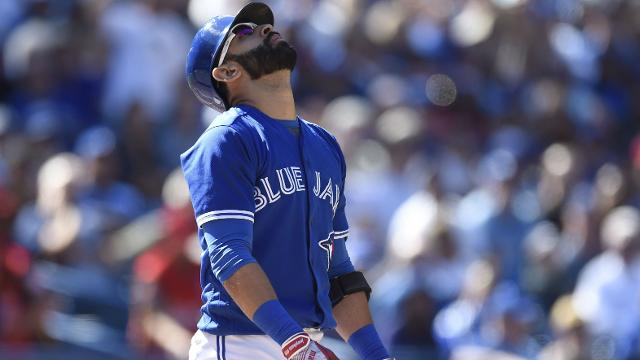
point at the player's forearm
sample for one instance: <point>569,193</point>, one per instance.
<point>229,245</point>
<point>355,326</point>
<point>351,314</point>
<point>233,264</point>
<point>249,287</point>
<point>251,290</point>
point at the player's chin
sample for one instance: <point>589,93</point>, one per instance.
<point>282,46</point>
<point>286,57</point>
<point>283,43</point>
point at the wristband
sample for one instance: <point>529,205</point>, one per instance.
<point>275,321</point>
<point>367,344</point>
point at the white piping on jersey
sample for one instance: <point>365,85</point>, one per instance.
<point>341,234</point>
<point>224,214</point>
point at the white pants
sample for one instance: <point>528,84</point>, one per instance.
<point>205,346</point>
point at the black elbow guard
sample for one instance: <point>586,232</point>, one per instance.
<point>346,284</point>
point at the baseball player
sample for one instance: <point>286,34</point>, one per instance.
<point>267,188</point>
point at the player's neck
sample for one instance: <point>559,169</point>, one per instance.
<point>271,94</point>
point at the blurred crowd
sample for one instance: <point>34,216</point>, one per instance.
<point>493,187</point>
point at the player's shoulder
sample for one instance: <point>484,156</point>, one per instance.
<point>328,138</point>
<point>234,119</point>
<point>231,123</point>
<point>321,132</point>
<point>230,129</point>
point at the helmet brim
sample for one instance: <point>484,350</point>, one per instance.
<point>256,12</point>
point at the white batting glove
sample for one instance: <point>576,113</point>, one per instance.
<point>301,347</point>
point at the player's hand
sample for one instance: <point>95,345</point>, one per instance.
<point>301,347</point>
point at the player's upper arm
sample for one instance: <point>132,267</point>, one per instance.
<point>220,171</point>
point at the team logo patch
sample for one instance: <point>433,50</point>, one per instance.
<point>327,245</point>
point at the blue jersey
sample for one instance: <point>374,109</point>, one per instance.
<point>249,167</point>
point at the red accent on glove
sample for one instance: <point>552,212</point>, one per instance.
<point>294,344</point>
<point>328,353</point>
<point>301,347</point>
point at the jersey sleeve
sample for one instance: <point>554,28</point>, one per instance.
<point>340,261</point>
<point>340,224</point>
<point>221,175</point>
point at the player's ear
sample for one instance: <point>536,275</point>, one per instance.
<point>226,72</point>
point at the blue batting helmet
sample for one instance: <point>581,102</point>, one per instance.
<point>207,45</point>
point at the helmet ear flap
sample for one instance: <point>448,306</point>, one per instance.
<point>204,48</point>
<point>223,91</point>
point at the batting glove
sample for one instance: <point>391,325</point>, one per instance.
<point>301,347</point>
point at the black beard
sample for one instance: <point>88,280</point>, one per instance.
<point>267,58</point>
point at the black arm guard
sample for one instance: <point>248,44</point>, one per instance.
<point>346,284</point>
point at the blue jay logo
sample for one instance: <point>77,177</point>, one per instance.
<point>327,245</point>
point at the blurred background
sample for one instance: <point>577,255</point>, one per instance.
<point>493,185</point>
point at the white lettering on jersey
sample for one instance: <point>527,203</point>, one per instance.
<point>267,188</point>
<point>316,188</point>
<point>283,187</point>
<point>264,193</point>
<point>297,174</point>
<point>328,192</point>
<point>260,200</point>
<point>336,200</point>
